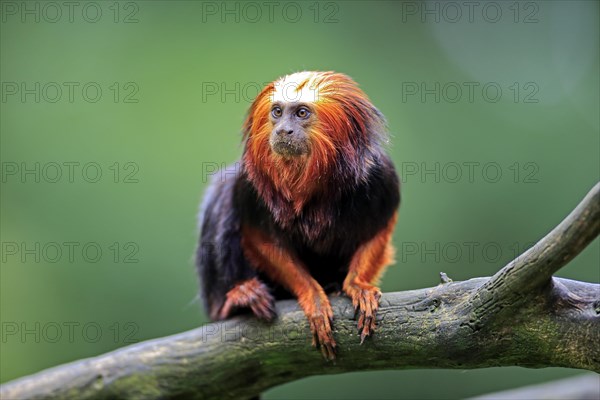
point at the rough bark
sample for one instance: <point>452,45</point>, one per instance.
<point>519,317</point>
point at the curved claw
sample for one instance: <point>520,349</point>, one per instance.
<point>320,326</point>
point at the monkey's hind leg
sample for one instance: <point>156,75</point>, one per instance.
<point>252,294</point>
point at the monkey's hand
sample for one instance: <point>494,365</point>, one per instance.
<point>252,294</point>
<point>320,317</point>
<point>365,299</point>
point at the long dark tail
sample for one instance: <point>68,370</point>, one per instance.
<point>219,257</point>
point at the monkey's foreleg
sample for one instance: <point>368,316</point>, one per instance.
<point>283,267</point>
<point>366,266</point>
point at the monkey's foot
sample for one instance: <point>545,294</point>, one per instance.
<point>365,299</point>
<point>252,294</point>
<point>320,326</point>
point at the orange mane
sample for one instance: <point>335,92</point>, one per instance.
<point>344,143</point>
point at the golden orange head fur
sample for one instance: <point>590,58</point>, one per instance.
<point>343,143</point>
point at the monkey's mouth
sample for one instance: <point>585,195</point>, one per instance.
<point>289,147</point>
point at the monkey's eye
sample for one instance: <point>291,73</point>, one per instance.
<point>302,113</point>
<point>276,112</point>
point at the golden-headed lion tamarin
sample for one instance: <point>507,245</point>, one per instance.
<point>310,211</point>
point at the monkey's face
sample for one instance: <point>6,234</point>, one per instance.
<point>292,122</point>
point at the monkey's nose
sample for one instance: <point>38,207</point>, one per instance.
<point>280,131</point>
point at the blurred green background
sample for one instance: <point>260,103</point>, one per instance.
<point>486,170</point>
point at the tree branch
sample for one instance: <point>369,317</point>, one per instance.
<point>533,269</point>
<point>521,316</point>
